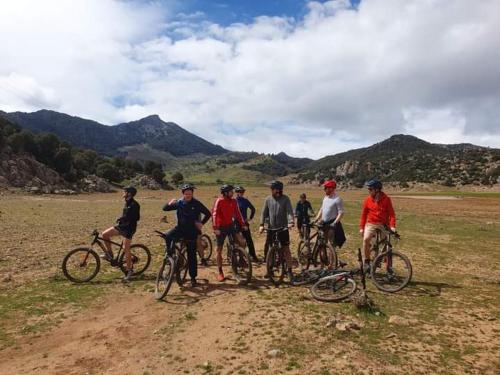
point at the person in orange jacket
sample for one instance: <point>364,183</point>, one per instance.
<point>377,214</point>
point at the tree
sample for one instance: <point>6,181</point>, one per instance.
<point>150,166</point>
<point>177,178</point>
<point>48,144</point>
<point>109,172</point>
<point>158,175</point>
<point>23,141</point>
<point>63,160</point>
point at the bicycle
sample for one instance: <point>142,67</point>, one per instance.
<point>82,264</point>
<point>390,270</point>
<point>205,248</point>
<point>275,259</point>
<point>239,260</point>
<point>308,253</point>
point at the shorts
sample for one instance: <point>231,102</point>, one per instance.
<point>283,236</point>
<point>371,231</point>
<point>126,231</point>
<point>224,232</point>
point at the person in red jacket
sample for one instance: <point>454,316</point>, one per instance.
<point>377,214</point>
<point>224,213</point>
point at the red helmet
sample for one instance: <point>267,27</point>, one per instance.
<point>330,184</point>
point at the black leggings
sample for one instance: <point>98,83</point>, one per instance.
<point>173,235</point>
<point>251,248</point>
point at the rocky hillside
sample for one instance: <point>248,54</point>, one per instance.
<point>404,159</point>
<point>113,140</point>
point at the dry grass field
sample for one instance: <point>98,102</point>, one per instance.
<point>448,318</point>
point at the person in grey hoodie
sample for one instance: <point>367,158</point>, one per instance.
<point>278,213</point>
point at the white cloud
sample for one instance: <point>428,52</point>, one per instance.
<point>339,78</point>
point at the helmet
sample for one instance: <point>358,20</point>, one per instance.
<point>278,185</point>
<point>130,189</point>
<point>225,188</point>
<point>187,187</point>
<point>375,184</point>
<point>239,189</point>
<point>330,184</point>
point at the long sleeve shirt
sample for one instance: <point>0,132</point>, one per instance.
<point>244,205</point>
<point>303,210</point>
<point>278,211</point>
<point>378,211</point>
<point>189,212</point>
<point>224,212</point>
<point>131,213</point>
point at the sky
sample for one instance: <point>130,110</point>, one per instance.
<point>311,78</point>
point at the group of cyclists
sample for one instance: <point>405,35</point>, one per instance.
<point>233,215</point>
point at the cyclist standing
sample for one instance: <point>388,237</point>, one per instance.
<point>278,212</point>
<point>303,212</point>
<point>244,205</point>
<point>377,214</point>
<point>126,227</point>
<point>224,214</point>
<point>189,225</point>
<point>330,213</point>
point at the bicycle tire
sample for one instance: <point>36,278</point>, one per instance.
<point>378,277</point>
<point>182,264</point>
<point>333,288</point>
<point>140,256</point>
<point>68,258</point>
<point>305,277</point>
<point>332,254</point>
<point>275,263</point>
<point>208,248</point>
<point>304,255</point>
<point>241,265</point>
<point>164,279</point>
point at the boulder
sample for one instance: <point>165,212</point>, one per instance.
<point>95,184</point>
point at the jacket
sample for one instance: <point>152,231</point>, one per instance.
<point>224,212</point>
<point>378,212</point>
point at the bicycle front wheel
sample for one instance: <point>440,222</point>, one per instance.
<point>81,265</point>
<point>333,288</point>
<point>141,258</point>
<point>241,265</point>
<point>276,267</point>
<point>304,255</point>
<point>206,247</point>
<point>182,265</point>
<point>391,271</point>
<point>165,277</point>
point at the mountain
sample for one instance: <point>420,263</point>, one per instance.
<point>403,159</point>
<point>150,131</point>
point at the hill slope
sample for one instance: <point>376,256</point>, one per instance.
<point>151,131</point>
<point>405,158</point>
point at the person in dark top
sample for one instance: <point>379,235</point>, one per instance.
<point>244,205</point>
<point>303,212</point>
<point>189,224</point>
<point>126,227</point>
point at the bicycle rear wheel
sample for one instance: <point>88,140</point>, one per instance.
<point>304,255</point>
<point>207,247</point>
<point>141,258</point>
<point>164,277</point>
<point>276,267</point>
<point>241,265</point>
<point>81,265</point>
<point>333,288</point>
<point>391,271</point>
<point>182,264</point>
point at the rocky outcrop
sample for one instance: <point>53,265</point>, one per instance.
<point>148,182</point>
<point>95,184</point>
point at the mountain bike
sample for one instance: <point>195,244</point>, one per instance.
<point>82,264</point>
<point>204,248</point>
<point>320,252</point>
<point>276,264</point>
<point>390,270</point>
<point>174,265</point>
<point>239,260</point>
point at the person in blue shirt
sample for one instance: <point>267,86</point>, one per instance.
<point>303,213</point>
<point>244,205</point>
<point>189,225</point>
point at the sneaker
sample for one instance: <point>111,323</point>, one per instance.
<point>204,262</point>
<point>194,283</point>
<point>128,276</point>
<point>106,256</point>
<point>221,277</point>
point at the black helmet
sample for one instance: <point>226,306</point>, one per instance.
<point>187,187</point>
<point>374,184</point>
<point>130,189</point>
<point>239,189</point>
<point>225,188</point>
<point>278,185</point>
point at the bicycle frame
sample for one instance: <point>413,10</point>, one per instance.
<point>99,241</point>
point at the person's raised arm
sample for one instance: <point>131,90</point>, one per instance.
<point>172,205</point>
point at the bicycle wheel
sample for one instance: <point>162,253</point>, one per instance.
<point>207,247</point>
<point>165,277</point>
<point>304,255</point>
<point>333,288</point>
<point>305,277</point>
<point>276,267</point>
<point>182,264</point>
<point>331,256</point>
<point>81,265</point>
<point>391,271</point>
<point>241,265</point>
<point>141,258</point>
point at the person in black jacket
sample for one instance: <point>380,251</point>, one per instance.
<point>244,205</point>
<point>189,225</point>
<point>126,227</point>
<point>303,213</point>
